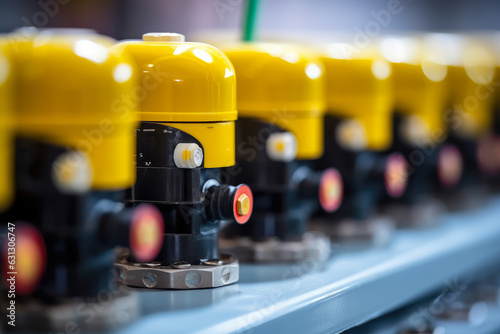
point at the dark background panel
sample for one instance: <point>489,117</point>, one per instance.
<point>131,18</point>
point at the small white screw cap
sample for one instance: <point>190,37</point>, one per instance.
<point>188,155</point>
<point>163,37</point>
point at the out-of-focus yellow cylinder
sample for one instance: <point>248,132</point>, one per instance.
<point>419,85</point>
<point>188,86</point>
<point>282,85</point>
<point>358,87</point>
<point>73,91</point>
<point>6,134</point>
<point>493,40</point>
<point>471,70</point>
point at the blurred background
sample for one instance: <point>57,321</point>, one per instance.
<point>124,19</point>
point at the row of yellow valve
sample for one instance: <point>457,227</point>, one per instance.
<point>87,92</point>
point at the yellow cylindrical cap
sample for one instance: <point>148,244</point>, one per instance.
<point>471,67</point>
<point>283,85</point>
<point>496,46</point>
<point>492,39</point>
<point>182,82</point>
<point>6,133</point>
<point>419,85</point>
<point>72,90</point>
<point>358,88</point>
<point>189,86</point>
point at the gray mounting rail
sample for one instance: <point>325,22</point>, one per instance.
<point>352,288</point>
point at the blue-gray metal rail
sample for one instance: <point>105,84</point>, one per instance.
<point>352,288</point>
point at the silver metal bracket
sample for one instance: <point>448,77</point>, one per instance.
<point>210,274</point>
<point>313,245</point>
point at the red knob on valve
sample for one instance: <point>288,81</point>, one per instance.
<point>25,257</point>
<point>331,190</point>
<point>243,204</point>
<point>396,175</point>
<point>488,155</point>
<point>146,233</point>
<point>450,166</point>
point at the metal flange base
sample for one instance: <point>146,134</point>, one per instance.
<point>465,200</point>
<point>103,313</point>
<point>422,214</point>
<point>313,246</point>
<point>211,274</point>
<point>375,231</point>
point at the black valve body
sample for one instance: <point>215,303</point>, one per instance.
<point>492,178</point>
<point>362,174</point>
<point>468,149</point>
<point>79,263</point>
<point>284,197</point>
<point>422,160</point>
<point>191,233</point>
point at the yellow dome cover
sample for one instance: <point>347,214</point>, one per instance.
<point>277,77</point>
<point>494,39</point>
<point>188,86</point>
<point>72,90</point>
<point>6,141</point>
<point>283,85</point>
<point>182,82</point>
<point>419,81</point>
<point>471,68</point>
<point>358,87</point>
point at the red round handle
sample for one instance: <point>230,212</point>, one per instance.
<point>331,190</point>
<point>25,258</point>
<point>450,166</point>
<point>146,233</point>
<point>243,204</point>
<point>396,175</point>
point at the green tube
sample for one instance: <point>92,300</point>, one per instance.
<point>250,18</point>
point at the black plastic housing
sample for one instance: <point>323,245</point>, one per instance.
<point>285,193</point>
<point>79,260</point>
<point>191,201</point>
<point>422,160</point>
<point>362,173</point>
